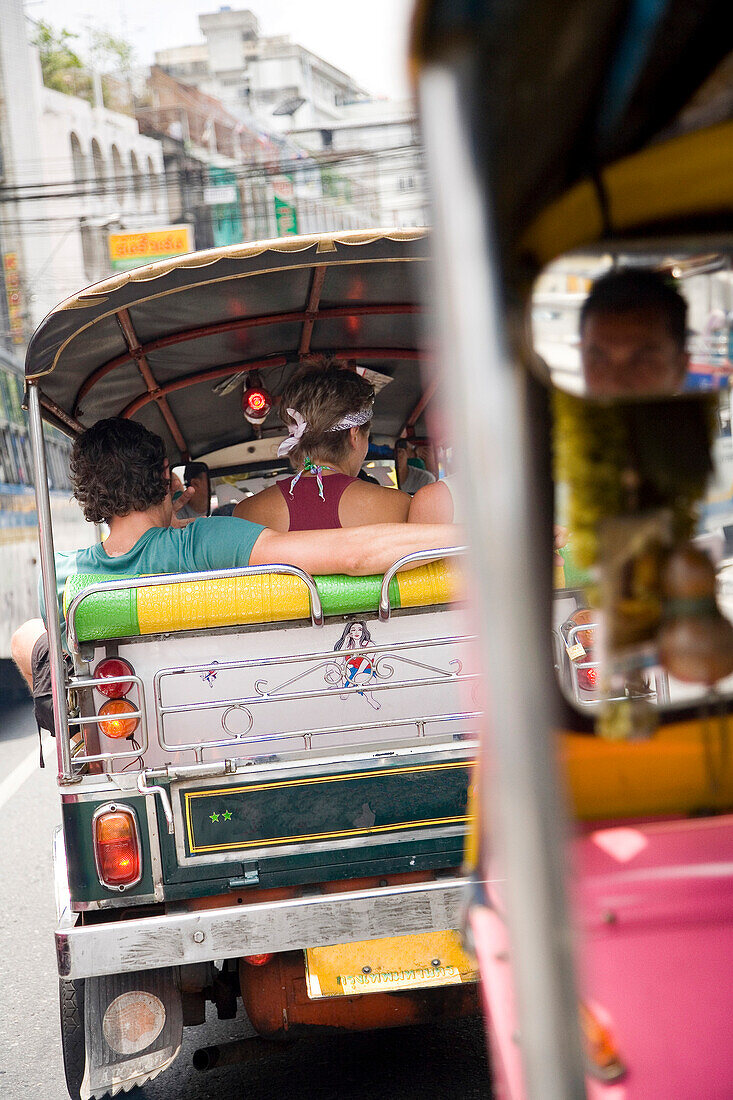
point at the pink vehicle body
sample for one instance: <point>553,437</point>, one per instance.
<point>653,910</point>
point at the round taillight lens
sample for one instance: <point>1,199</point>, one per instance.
<point>588,678</point>
<point>114,721</point>
<point>114,671</point>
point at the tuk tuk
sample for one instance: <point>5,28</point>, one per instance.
<point>594,135</point>
<point>273,808</point>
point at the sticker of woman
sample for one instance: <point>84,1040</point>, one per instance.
<point>359,668</point>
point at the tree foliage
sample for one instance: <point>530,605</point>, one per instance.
<point>57,56</point>
<point>107,52</point>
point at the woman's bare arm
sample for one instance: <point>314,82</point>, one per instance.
<point>357,551</point>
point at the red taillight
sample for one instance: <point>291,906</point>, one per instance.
<point>114,670</point>
<point>257,960</point>
<point>117,846</point>
<point>588,678</point>
<point>112,719</point>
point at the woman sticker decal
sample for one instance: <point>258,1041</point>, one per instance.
<point>358,668</point>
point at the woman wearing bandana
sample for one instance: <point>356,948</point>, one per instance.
<point>328,415</point>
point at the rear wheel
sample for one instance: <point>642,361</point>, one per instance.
<point>71,1003</point>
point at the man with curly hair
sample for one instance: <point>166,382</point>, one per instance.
<point>121,477</point>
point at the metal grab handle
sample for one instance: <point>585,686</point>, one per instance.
<point>184,578</point>
<point>385,606</point>
<point>142,786</point>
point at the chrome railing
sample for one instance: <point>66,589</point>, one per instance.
<point>385,605</point>
<point>383,660</point>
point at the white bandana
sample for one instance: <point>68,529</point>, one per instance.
<point>353,420</point>
<point>296,432</point>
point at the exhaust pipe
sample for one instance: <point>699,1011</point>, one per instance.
<point>240,1050</point>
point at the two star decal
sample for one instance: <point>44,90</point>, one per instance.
<point>226,816</point>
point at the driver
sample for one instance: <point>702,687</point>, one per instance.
<point>633,326</point>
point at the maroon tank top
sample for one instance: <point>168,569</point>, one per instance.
<point>306,509</point>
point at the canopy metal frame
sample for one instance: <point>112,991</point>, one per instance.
<point>284,301</point>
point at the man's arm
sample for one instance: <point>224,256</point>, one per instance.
<point>357,551</point>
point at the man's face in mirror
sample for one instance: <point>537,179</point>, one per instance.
<point>630,353</point>
<point>200,485</point>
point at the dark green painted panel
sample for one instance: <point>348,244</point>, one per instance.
<point>77,823</point>
<point>352,806</point>
<point>447,854</point>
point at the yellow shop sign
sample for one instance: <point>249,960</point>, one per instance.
<point>127,250</point>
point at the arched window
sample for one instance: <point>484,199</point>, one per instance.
<point>137,179</point>
<point>154,182</point>
<point>100,169</point>
<point>118,174</point>
<point>78,160</point>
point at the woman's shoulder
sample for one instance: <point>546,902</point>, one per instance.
<point>267,507</point>
<point>364,503</point>
<point>433,503</point>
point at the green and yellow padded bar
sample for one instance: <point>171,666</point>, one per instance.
<point>238,601</point>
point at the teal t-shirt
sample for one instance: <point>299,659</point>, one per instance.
<point>215,542</point>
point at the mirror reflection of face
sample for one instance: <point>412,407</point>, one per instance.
<point>627,354</point>
<point>200,499</point>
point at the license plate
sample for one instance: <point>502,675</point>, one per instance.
<point>383,966</point>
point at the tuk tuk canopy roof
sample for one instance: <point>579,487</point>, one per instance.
<point>159,343</point>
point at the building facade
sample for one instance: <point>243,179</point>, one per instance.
<point>268,76</point>
<point>73,172</point>
<point>375,145</point>
<point>260,179</point>
<point>117,183</point>
<point>368,158</point>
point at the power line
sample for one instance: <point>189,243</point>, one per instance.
<point>120,185</point>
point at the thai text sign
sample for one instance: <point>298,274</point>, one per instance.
<point>13,296</point>
<point>128,250</point>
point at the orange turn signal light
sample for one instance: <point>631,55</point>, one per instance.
<point>117,847</point>
<point>601,1053</point>
<point>112,721</point>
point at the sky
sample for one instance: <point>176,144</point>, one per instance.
<point>365,38</point>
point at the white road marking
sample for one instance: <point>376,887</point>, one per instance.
<point>25,769</point>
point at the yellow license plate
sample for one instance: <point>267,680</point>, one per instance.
<point>383,966</point>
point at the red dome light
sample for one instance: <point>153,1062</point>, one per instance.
<point>257,400</point>
<point>256,404</point>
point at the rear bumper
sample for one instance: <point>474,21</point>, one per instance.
<point>177,939</point>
